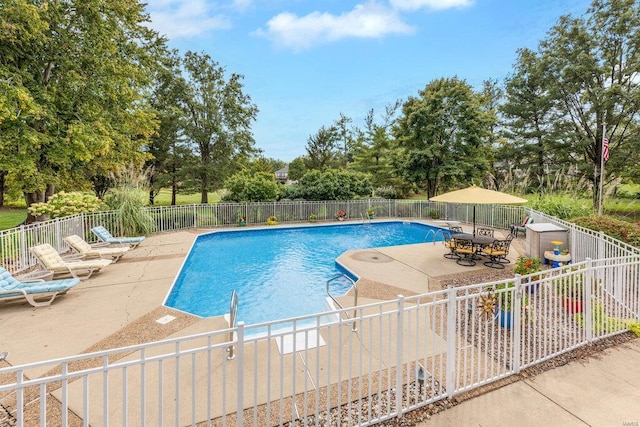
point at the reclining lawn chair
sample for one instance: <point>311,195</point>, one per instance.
<point>51,260</point>
<point>79,245</point>
<point>33,292</point>
<point>104,235</point>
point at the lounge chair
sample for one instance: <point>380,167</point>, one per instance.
<point>515,228</point>
<point>79,245</point>
<point>33,292</point>
<point>104,235</point>
<point>81,269</point>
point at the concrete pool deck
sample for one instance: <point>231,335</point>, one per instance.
<point>96,314</point>
<point>121,305</point>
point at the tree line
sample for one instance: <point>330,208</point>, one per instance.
<point>87,89</point>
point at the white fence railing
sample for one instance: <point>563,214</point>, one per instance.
<point>315,370</point>
<point>15,243</point>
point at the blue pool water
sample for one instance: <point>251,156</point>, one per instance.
<point>278,273</point>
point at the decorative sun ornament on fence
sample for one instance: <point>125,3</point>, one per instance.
<point>487,305</point>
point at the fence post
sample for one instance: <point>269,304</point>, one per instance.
<point>588,301</point>
<point>240,370</point>
<point>195,215</point>
<point>517,311</point>
<point>601,245</point>
<point>451,340</point>
<point>399,354</point>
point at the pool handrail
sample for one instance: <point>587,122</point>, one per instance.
<point>233,319</point>
<point>354,326</point>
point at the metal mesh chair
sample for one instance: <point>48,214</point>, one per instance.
<point>466,250</point>
<point>484,232</point>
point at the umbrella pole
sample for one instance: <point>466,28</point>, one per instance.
<point>474,220</point>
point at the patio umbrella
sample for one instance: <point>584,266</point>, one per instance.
<point>478,196</point>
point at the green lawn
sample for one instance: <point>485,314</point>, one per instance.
<point>164,198</point>
<point>11,217</point>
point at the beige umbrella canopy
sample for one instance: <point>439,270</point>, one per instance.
<point>478,196</point>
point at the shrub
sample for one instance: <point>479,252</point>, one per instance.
<point>561,206</point>
<point>331,185</point>
<point>128,199</point>
<point>261,187</point>
<point>527,265</point>
<point>386,192</point>
<point>619,229</point>
<point>64,204</point>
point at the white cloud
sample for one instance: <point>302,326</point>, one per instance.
<point>366,20</point>
<point>412,5</point>
<point>185,18</point>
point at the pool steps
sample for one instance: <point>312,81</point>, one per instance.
<point>354,326</point>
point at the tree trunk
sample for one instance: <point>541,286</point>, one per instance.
<point>30,199</point>
<point>38,197</point>
<point>3,174</point>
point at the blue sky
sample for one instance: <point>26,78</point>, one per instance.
<point>305,62</point>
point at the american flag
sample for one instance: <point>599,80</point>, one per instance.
<point>605,149</point>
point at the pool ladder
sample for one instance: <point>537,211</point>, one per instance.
<point>354,326</point>
<point>233,319</point>
<point>433,234</point>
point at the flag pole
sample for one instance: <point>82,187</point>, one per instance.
<point>600,201</point>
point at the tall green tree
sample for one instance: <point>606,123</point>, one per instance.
<point>530,112</point>
<point>442,135</point>
<point>170,158</point>
<point>322,149</point>
<point>375,152</point>
<point>85,64</point>
<point>345,139</point>
<point>217,119</point>
<point>593,70</point>
<point>297,168</point>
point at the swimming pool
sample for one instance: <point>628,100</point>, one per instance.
<point>279,272</point>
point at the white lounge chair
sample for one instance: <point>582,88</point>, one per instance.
<point>33,292</point>
<point>79,245</point>
<point>105,236</point>
<point>81,269</point>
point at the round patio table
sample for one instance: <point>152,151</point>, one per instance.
<point>478,241</point>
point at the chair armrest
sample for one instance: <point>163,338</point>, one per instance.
<point>35,276</point>
<point>100,245</point>
<point>73,257</point>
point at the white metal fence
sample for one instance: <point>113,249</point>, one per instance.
<point>316,370</point>
<point>15,243</point>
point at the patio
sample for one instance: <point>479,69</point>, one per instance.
<point>121,306</point>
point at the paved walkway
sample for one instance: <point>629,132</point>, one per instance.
<point>599,391</point>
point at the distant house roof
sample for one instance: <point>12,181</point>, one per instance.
<point>282,174</point>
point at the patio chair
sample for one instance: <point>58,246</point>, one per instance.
<point>34,292</point>
<point>515,228</point>
<point>466,250</point>
<point>497,252</point>
<point>481,231</point>
<point>80,269</point>
<point>79,245</point>
<point>105,236</point>
<point>448,243</point>
<point>456,229</point>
